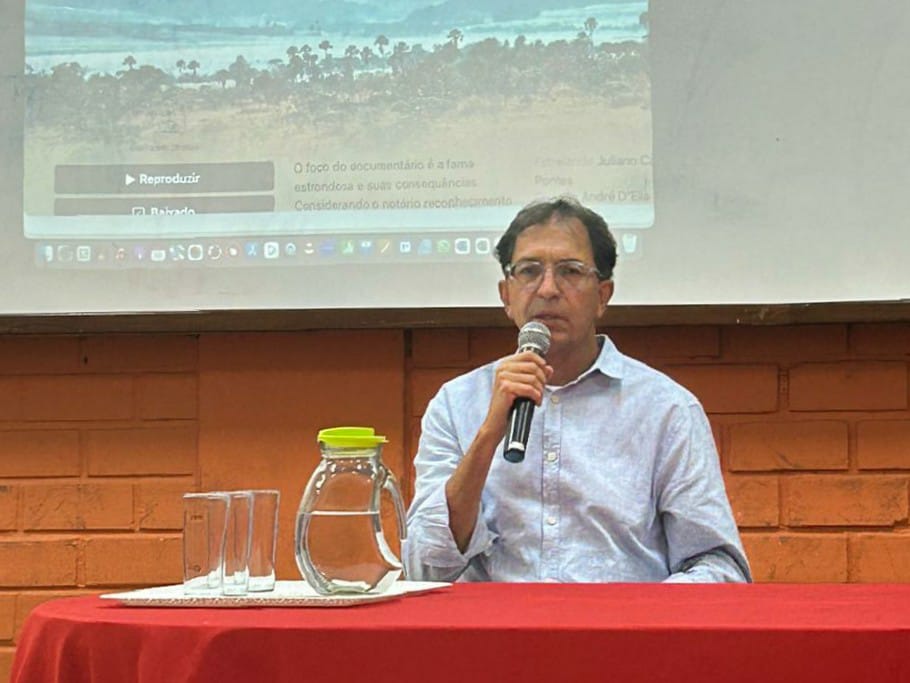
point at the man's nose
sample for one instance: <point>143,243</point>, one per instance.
<point>548,286</point>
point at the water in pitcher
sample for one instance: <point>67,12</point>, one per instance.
<point>347,550</point>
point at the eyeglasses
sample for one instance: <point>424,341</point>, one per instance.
<point>567,274</point>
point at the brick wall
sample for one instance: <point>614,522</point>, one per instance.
<point>100,435</point>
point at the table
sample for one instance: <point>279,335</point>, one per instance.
<point>496,632</point>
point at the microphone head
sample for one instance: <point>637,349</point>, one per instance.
<point>534,336</point>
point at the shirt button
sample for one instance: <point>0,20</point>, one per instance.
<point>551,456</point>
<point>551,520</point>
<point>554,399</point>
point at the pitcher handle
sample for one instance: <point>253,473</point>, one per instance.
<point>390,484</point>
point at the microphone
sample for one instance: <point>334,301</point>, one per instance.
<point>533,336</point>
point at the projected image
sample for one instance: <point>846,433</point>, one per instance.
<point>362,124</point>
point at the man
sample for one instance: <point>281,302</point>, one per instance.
<point>620,481</point>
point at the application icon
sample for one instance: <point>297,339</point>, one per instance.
<point>366,246</point>
<point>64,253</point>
<point>443,246</point>
<point>290,249</point>
<point>271,250</point>
<point>177,252</point>
<point>462,246</point>
<point>214,252</point>
<point>158,255</point>
<point>384,246</point>
<point>233,250</point>
<point>195,252</point>
<point>139,252</point>
<point>83,253</point>
<point>251,249</point>
<point>327,248</point>
<point>404,247</point>
<point>120,254</point>
<point>309,248</point>
<point>46,252</point>
<point>347,247</point>
<point>425,246</point>
<point>482,245</point>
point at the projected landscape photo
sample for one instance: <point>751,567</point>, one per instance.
<point>374,108</point>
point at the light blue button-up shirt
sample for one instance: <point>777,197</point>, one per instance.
<point>620,482</point>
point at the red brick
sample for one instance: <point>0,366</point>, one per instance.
<point>880,558</point>
<point>135,560</point>
<point>697,341</point>
<point>11,389</point>
<point>425,384</point>
<point>77,506</point>
<point>6,662</point>
<point>489,343</point>
<point>166,396</point>
<point>730,388</point>
<point>880,339</point>
<point>755,501</point>
<point>7,617</point>
<point>39,355</point>
<point>883,444</point>
<point>159,504</point>
<point>784,342</point>
<point>159,450</point>
<point>9,504</point>
<point>839,500</point>
<point>432,348</point>
<point>73,397</point>
<point>763,446</point>
<point>146,352</point>
<point>797,558</point>
<point>39,453</point>
<point>848,386</point>
<point>46,562</point>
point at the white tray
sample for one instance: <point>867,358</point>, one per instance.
<point>286,594</point>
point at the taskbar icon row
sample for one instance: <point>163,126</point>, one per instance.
<point>253,251</point>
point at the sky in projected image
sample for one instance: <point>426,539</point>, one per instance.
<point>343,116</point>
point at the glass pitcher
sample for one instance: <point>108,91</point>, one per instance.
<point>339,539</point>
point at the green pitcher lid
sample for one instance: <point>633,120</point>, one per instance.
<point>350,437</point>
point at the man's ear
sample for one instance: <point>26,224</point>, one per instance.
<point>504,297</point>
<point>606,293</point>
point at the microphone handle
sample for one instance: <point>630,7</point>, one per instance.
<point>519,429</point>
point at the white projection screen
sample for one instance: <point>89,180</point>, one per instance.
<point>194,155</point>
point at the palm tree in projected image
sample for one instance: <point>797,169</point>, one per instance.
<point>194,67</point>
<point>590,25</point>
<point>181,66</point>
<point>381,42</point>
<point>129,62</point>
<point>325,46</point>
<point>397,58</point>
<point>366,56</point>
<point>455,37</point>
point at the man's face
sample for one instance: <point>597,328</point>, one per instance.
<point>570,308</point>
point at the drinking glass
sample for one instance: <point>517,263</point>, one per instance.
<point>204,519</point>
<point>264,539</point>
<point>235,574</point>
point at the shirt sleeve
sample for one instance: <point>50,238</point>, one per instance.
<point>430,552</point>
<point>703,543</point>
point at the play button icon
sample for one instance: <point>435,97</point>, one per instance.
<point>128,179</point>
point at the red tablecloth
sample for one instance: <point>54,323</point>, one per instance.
<point>495,632</point>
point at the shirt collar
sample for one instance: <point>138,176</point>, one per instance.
<point>609,361</point>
